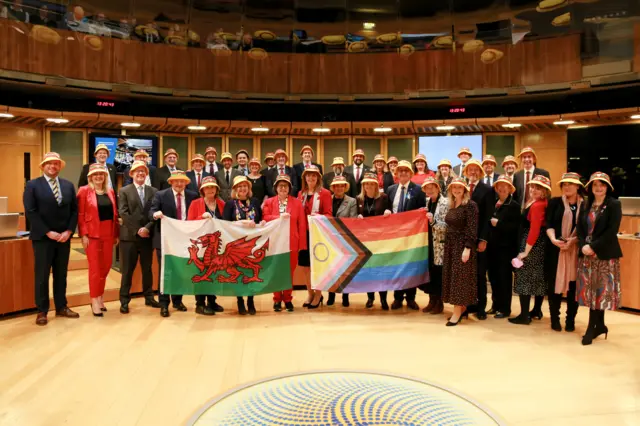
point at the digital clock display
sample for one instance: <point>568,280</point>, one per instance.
<point>457,110</point>
<point>106,104</point>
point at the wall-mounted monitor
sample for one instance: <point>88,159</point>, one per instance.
<point>122,148</point>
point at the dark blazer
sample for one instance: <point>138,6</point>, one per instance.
<point>381,204</point>
<point>133,213</point>
<point>128,180</point>
<point>328,178</point>
<point>85,171</point>
<point>221,177</point>
<point>163,201</point>
<point>162,174</point>
<point>273,174</point>
<point>491,181</point>
<point>264,171</point>
<point>193,185</point>
<point>43,211</point>
<point>518,182</point>
<point>299,168</point>
<point>387,181</point>
<point>365,168</point>
<point>604,240</point>
<point>229,212</point>
<point>484,196</point>
<point>415,198</point>
<point>504,235</point>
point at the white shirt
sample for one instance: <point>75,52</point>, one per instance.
<point>208,167</point>
<point>489,179</point>
<point>182,204</point>
<point>57,179</point>
<point>357,172</point>
<point>531,170</point>
<point>396,199</point>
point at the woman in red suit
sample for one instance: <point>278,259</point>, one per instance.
<point>285,205</point>
<point>316,201</point>
<point>208,206</point>
<point>98,227</point>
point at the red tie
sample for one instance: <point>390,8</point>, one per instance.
<point>210,170</point>
<point>281,171</point>
<point>357,174</point>
<point>179,206</point>
<point>526,187</point>
<point>198,176</point>
<point>473,186</point>
<point>306,166</point>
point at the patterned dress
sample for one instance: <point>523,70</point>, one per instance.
<point>598,280</point>
<point>459,280</point>
<point>530,279</point>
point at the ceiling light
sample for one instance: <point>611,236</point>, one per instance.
<point>635,117</point>
<point>57,120</point>
<point>562,122</point>
<point>578,127</point>
<point>322,130</point>
<point>382,128</point>
<point>511,125</point>
<point>445,128</point>
<point>197,127</point>
<point>260,129</point>
<point>368,25</point>
<point>6,115</point>
<point>130,124</point>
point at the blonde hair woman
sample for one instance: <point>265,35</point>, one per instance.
<point>459,275</point>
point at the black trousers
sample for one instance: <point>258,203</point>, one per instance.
<point>482,281</point>
<point>434,286</point>
<point>203,300</point>
<point>130,252</point>
<point>383,295</point>
<point>51,256</point>
<point>501,277</point>
<point>163,299</point>
<point>409,294</point>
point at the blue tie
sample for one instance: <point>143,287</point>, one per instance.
<point>141,194</point>
<point>401,202</point>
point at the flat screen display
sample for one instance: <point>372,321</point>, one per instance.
<point>437,148</point>
<point>122,148</point>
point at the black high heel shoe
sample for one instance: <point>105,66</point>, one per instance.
<point>453,324</point>
<point>99,314</point>
<point>318,305</point>
<point>306,304</point>
<point>103,309</point>
<point>536,314</point>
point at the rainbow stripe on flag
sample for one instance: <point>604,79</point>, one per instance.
<point>372,254</point>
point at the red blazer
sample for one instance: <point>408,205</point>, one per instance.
<point>298,223</point>
<point>325,208</point>
<point>88,218</point>
<point>198,208</point>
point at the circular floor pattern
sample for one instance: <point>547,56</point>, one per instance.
<point>342,398</point>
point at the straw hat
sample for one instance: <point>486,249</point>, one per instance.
<point>489,159</point>
<point>368,177</point>
<point>444,162</point>
<point>465,151</point>
<point>571,178</point>
<point>430,180</point>
<point>392,159</point>
<point>379,157</point>
<point>254,160</point>
<point>404,164</point>
<point>542,181</point>
<point>178,175</point>
<point>97,168</point>
<point>283,178</point>
<point>242,151</point>
<point>341,180</point>
<point>210,149</point>
<point>307,147</point>
<point>141,152</point>
<point>473,162</point>
<point>358,152</point>
<point>509,159</point>
<point>461,182</point>
<point>337,161</point>
<point>420,157</point>
<point>281,152</point>
<point>171,151</point>
<point>101,146</point>
<point>209,181</point>
<point>240,179</point>
<point>312,169</point>
<point>198,157</point>
<point>602,177</point>
<point>269,156</point>
<point>528,150</point>
<point>52,156</point>
<point>507,180</point>
<point>226,156</point>
<point>136,165</point>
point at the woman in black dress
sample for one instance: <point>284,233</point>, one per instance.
<point>561,256</point>
<point>533,240</point>
<point>243,208</point>
<point>258,181</point>
<point>372,202</point>
<point>459,275</point>
<point>502,245</point>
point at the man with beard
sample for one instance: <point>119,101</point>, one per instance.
<point>226,175</point>
<point>338,170</point>
<point>358,168</point>
<point>529,170</point>
<point>510,165</point>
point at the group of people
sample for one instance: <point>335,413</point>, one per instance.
<point>480,223</point>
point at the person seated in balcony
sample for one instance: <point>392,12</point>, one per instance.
<point>45,18</point>
<point>77,21</point>
<point>15,12</point>
<point>99,25</point>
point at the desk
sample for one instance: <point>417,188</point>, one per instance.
<point>630,271</point>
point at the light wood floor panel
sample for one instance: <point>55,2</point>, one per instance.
<point>140,369</point>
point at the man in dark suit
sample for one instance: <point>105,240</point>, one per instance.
<point>51,206</point>
<point>358,168</point>
<point>134,203</point>
<point>405,196</point>
<point>197,173</point>
<point>484,196</point>
<point>509,165</point>
<point>164,173</point>
<point>464,155</point>
<point>242,159</point>
<point>174,203</point>
<point>282,169</point>
<point>101,154</point>
<point>307,155</point>
<point>338,170</point>
<point>140,155</point>
<point>529,170</point>
<point>212,166</point>
<point>489,165</point>
<point>270,161</point>
<point>225,176</point>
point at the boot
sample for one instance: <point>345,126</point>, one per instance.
<point>590,333</point>
<point>370,299</point>
<point>332,299</point>
<point>427,309</point>
<point>600,328</point>
<point>438,306</point>
<point>241,309</point>
<point>523,318</point>
<point>554,310</point>
<point>537,308</point>
<point>345,300</point>
<point>572,308</point>
<point>250,306</point>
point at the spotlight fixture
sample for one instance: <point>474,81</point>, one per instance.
<point>368,25</point>
<point>130,124</point>
<point>321,130</point>
<point>6,115</point>
<point>260,128</point>
<point>511,125</point>
<point>564,122</point>
<point>382,129</point>
<point>197,127</point>
<point>635,117</point>
<point>57,120</point>
<point>445,128</point>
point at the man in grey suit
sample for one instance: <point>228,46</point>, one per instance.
<point>134,202</point>
<point>464,155</point>
<point>343,206</point>
<point>522,177</point>
<point>225,176</point>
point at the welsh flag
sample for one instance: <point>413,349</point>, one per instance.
<point>213,256</point>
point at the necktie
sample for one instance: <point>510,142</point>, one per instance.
<point>358,175</point>
<point>56,190</point>
<point>401,202</point>
<point>281,171</point>
<point>526,187</point>
<point>141,194</point>
<point>211,169</point>
<point>198,180</point>
<point>179,206</point>
<point>227,177</point>
<point>473,186</point>
<point>306,166</point>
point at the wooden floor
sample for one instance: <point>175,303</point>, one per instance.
<point>140,369</point>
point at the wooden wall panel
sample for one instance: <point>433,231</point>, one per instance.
<point>17,291</point>
<point>636,47</point>
<point>551,151</point>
